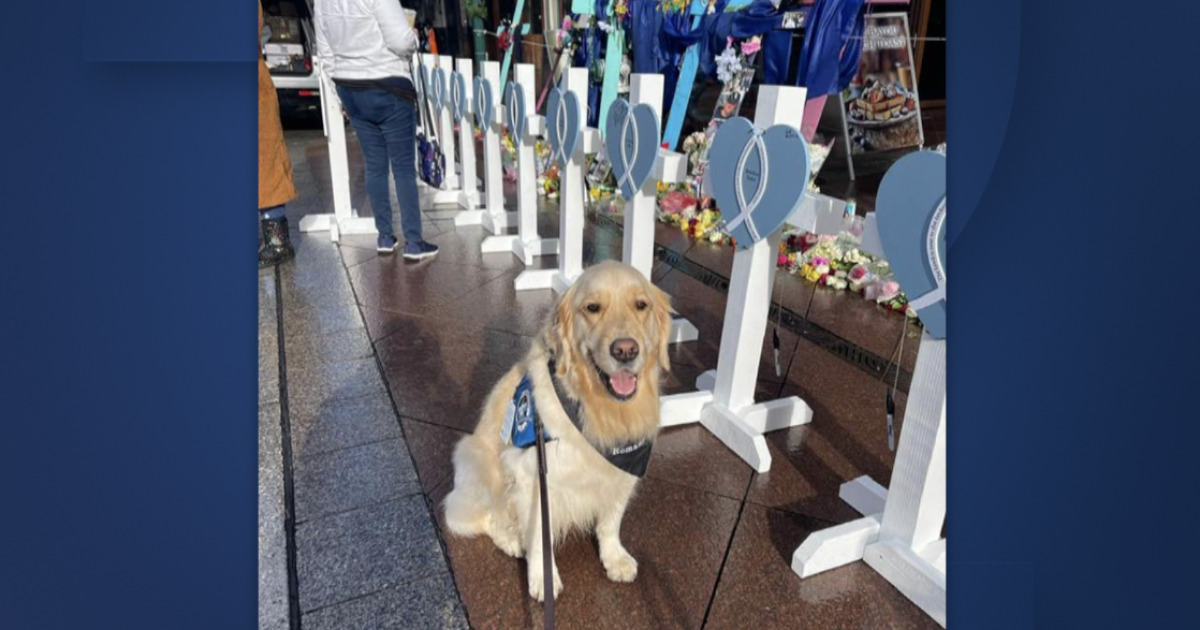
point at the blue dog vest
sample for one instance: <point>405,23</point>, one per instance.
<point>520,428</point>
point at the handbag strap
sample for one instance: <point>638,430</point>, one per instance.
<point>426,117</point>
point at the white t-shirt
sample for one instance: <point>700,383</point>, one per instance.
<point>364,39</point>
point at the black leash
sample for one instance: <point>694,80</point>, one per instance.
<point>547,547</point>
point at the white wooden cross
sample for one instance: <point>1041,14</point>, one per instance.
<point>469,197</point>
<point>442,130</point>
<point>526,243</point>
<point>900,534</point>
<point>493,217</point>
<point>670,167</point>
<point>570,201</point>
<point>725,403</point>
<point>344,219</point>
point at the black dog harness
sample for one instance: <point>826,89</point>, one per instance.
<point>520,421</point>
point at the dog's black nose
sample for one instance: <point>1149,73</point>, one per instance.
<point>624,349</point>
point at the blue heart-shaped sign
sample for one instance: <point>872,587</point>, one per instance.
<point>439,88</point>
<point>911,213</point>
<point>483,102</point>
<point>515,101</point>
<point>631,141</point>
<point>458,95</point>
<point>758,177</point>
<point>562,122</point>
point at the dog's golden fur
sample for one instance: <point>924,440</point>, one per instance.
<point>496,485</point>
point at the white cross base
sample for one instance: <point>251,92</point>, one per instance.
<point>344,219</point>
<point>900,536</point>
<point>724,403</point>
<point>724,400</point>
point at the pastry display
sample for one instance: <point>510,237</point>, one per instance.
<point>880,103</point>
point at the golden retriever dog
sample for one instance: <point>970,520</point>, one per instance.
<point>606,344</point>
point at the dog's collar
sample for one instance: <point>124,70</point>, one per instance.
<point>631,457</point>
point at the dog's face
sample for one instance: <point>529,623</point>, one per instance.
<point>612,328</point>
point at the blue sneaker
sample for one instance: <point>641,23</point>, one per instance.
<point>386,244</point>
<point>419,250</point>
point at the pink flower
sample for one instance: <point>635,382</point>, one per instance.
<point>782,261</point>
<point>818,261</point>
<point>889,290</point>
<point>677,201</point>
<point>750,47</point>
<point>567,23</point>
<point>728,42</point>
<point>858,273</point>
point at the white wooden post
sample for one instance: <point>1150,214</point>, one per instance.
<point>526,243</point>
<point>469,197</point>
<point>670,167</point>
<point>440,130</point>
<point>570,201</point>
<point>728,410</point>
<point>903,543</point>
<point>446,64</point>
<point>493,217</point>
<point>344,219</point>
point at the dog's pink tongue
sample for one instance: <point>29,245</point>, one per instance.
<point>623,382</point>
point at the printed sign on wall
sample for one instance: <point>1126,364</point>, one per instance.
<point>883,111</point>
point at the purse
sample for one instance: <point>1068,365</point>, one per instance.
<point>433,162</point>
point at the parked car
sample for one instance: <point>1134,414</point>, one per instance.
<point>289,52</point>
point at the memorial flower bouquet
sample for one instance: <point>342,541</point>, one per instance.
<point>837,263</point>
<point>696,217</point>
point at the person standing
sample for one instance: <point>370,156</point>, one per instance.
<point>275,185</point>
<point>366,47</point>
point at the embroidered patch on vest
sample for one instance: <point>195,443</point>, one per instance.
<point>519,428</point>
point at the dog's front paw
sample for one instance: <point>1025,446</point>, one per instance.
<point>621,567</point>
<point>537,585</point>
<point>507,540</point>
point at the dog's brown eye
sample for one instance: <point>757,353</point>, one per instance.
<point>642,305</point>
<point>593,308</point>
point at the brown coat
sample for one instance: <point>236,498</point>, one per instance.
<point>275,185</point>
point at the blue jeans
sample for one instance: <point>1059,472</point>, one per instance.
<point>386,129</point>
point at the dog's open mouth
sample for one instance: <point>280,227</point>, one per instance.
<point>621,384</point>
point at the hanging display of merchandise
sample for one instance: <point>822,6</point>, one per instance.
<point>881,106</point>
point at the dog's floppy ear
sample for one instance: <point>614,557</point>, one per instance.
<point>560,333</point>
<point>662,321</point>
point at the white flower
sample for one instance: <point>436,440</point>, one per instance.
<point>729,64</point>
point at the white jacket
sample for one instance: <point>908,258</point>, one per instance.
<point>364,39</point>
